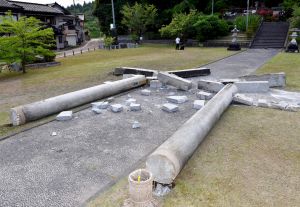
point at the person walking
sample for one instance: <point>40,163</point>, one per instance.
<point>177,41</point>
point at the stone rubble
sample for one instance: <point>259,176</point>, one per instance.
<point>130,101</point>
<point>204,95</point>
<point>135,107</point>
<point>136,125</point>
<point>177,99</point>
<point>198,104</point>
<point>168,107</point>
<point>146,92</point>
<point>116,108</point>
<point>64,116</point>
<point>100,105</point>
<point>96,110</point>
<point>155,84</point>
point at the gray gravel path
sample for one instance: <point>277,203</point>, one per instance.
<point>92,151</point>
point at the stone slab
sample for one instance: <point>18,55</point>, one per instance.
<point>274,79</point>
<point>96,110</point>
<point>130,101</point>
<point>198,104</point>
<point>204,95</point>
<point>168,107</point>
<point>116,108</point>
<point>177,99</point>
<point>136,125</point>
<point>146,92</point>
<point>243,99</point>
<point>100,105</point>
<point>212,86</point>
<point>252,86</point>
<point>134,71</point>
<point>135,107</point>
<point>174,80</point>
<point>189,73</point>
<point>64,116</point>
<point>155,84</point>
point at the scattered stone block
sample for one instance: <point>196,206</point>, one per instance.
<point>168,107</point>
<point>204,95</point>
<point>155,84</point>
<point>198,104</point>
<point>146,92</point>
<point>53,134</point>
<point>96,110</point>
<point>64,116</point>
<point>177,99</point>
<point>274,79</point>
<point>116,108</point>
<point>100,105</point>
<point>135,107</point>
<point>174,80</point>
<point>136,125</point>
<point>189,73</point>
<point>212,86</point>
<point>243,99</point>
<point>252,86</point>
<point>130,101</point>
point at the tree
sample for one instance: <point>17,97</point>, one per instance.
<point>138,17</point>
<point>24,40</point>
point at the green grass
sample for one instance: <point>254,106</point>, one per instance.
<point>92,69</point>
<point>288,63</point>
<point>246,160</point>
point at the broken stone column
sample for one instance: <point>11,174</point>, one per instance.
<point>166,161</point>
<point>174,80</point>
<point>33,111</point>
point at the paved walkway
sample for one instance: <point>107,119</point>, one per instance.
<point>91,45</point>
<point>91,151</point>
<point>244,63</point>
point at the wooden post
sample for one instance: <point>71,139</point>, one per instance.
<point>73,52</point>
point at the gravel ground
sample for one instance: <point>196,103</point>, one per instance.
<point>88,154</point>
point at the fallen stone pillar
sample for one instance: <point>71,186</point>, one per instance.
<point>174,80</point>
<point>166,161</point>
<point>274,79</point>
<point>134,71</point>
<point>212,86</point>
<point>189,73</point>
<point>252,86</point>
<point>33,111</point>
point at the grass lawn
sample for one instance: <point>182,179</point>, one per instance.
<point>248,159</point>
<point>92,69</point>
<point>288,63</point>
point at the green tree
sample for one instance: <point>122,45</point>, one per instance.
<point>24,40</point>
<point>138,17</point>
<point>181,24</point>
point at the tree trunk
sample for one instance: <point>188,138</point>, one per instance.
<point>23,66</point>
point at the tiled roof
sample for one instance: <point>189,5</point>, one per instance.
<point>33,7</point>
<point>5,4</point>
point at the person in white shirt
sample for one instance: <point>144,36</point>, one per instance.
<point>177,41</point>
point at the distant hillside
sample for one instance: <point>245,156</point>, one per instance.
<point>91,22</point>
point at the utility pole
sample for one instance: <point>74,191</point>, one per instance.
<point>247,21</point>
<point>113,14</point>
<point>212,7</point>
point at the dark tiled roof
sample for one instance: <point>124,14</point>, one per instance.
<point>5,4</point>
<point>33,7</point>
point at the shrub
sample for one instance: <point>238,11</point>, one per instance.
<point>108,41</point>
<point>253,22</point>
<point>210,27</point>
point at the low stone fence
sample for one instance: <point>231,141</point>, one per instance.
<point>43,65</point>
